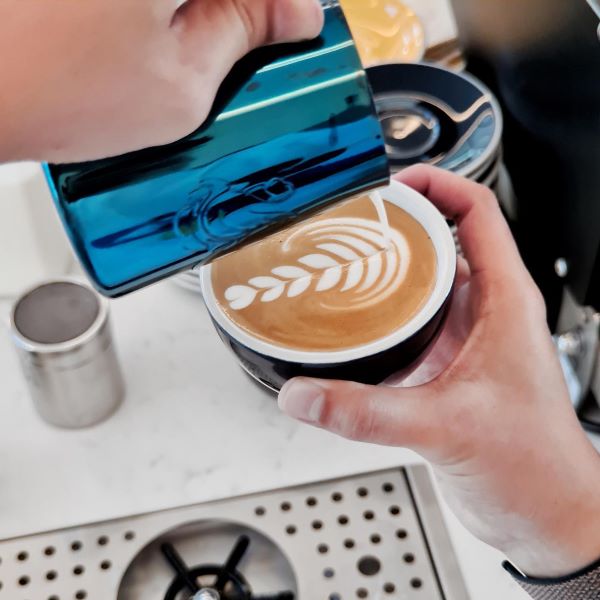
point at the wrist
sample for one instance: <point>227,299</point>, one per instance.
<point>565,539</point>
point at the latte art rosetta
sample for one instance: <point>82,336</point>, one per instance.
<point>335,281</point>
<point>353,255</point>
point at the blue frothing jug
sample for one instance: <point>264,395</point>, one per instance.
<point>293,128</point>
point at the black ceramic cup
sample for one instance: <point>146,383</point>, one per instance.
<point>273,365</point>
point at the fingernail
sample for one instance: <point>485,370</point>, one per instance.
<point>303,400</point>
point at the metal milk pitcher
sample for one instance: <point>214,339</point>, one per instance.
<point>293,128</point>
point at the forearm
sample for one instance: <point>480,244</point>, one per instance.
<point>563,536</point>
<point>561,560</point>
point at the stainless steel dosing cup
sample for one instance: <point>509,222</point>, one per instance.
<point>62,333</point>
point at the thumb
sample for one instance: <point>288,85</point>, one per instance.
<point>383,415</point>
<point>212,35</point>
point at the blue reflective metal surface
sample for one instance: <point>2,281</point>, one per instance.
<point>293,128</point>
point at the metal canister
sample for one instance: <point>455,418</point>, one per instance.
<point>62,333</point>
<point>293,128</point>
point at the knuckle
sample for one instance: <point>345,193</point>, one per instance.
<point>359,426</point>
<point>517,292</point>
<point>249,21</point>
<point>327,415</point>
<point>351,417</point>
<point>488,198</point>
<point>534,300</point>
<point>420,168</point>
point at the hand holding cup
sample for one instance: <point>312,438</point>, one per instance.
<point>488,407</point>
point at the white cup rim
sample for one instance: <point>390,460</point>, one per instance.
<point>432,221</point>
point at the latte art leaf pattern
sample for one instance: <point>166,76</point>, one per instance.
<point>354,255</point>
<point>345,277</point>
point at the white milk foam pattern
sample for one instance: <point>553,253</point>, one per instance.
<point>365,259</point>
<point>379,205</point>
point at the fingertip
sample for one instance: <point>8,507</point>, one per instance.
<point>296,20</point>
<point>412,169</point>
<point>415,173</point>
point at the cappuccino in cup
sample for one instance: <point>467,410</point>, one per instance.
<point>339,280</point>
<point>355,292</point>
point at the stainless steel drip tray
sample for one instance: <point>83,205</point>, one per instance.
<point>377,535</point>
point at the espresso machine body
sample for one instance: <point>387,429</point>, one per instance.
<point>542,58</point>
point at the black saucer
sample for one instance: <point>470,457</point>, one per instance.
<point>436,116</point>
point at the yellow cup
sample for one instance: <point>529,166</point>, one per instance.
<point>385,31</point>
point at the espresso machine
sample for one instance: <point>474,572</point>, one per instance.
<point>542,59</point>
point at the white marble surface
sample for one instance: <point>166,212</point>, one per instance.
<point>193,428</point>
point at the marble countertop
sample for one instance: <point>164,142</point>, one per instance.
<point>193,427</point>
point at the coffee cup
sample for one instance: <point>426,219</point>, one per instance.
<point>355,292</point>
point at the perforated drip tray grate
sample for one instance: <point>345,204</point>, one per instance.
<point>378,535</point>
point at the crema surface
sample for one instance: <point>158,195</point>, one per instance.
<point>336,281</point>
